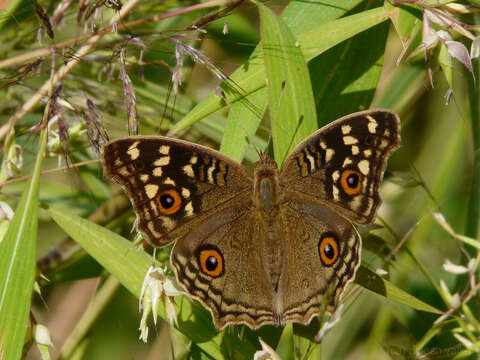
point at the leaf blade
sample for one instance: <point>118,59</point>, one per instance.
<point>17,265</point>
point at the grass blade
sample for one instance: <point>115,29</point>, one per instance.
<point>17,265</point>
<point>292,107</point>
<point>251,77</point>
<point>371,281</point>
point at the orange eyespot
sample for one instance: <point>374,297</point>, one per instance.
<point>351,182</point>
<point>169,202</point>
<point>328,250</point>
<point>211,261</point>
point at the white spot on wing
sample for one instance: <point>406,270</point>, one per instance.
<point>188,170</point>
<point>185,193</point>
<point>151,190</point>
<point>210,171</point>
<point>372,124</point>
<point>144,177</point>
<point>346,162</point>
<point>367,152</point>
<point>335,175</point>
<point>346,129</point>
<point>169,181</point>
<point>188,209</point>
<point>349,140</point>
<point>311,160</point>
<point>364,167</point>
<point>329,154</point>
<point>335,193</point>
<point>164,160</point>
<point>164,149</point>
<point>153,206</point>
<point>355,150</point>
<point>133,151</point>
<point>158,171</point>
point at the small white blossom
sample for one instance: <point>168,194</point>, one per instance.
<point>157,287</point>
<point>475,48</point>
<point>328,325</point>
<point>454,269</point>
<point>441,220</point>
<point>42,335</point>
<point>267,353</point>
<point>44,342</point>
<point>381,272</point>
<point>6,212</point>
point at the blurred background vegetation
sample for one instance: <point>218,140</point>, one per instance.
<point>123,82</point>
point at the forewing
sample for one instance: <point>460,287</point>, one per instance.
<point>173,184</point>
<point>342,164</point>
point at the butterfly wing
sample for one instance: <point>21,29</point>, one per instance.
<point>173,184</point>
<point>321,255</point>
<point>342,164</point>
<point>222,267</point>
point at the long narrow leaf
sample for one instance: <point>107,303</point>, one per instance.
<point>380,286</point>
<point>292,106</point>
<point>17,265</point>
<point>251,77</point>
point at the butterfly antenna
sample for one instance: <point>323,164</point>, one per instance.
<point>165,108</point>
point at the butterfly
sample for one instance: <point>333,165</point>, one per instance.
<point>272,248</point>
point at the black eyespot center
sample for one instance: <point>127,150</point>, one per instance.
<point>328,251</point>
<point>211,263</point>
<point>167,201</point>
<point>352,180</point>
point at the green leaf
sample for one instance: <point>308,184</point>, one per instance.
<point>353,71</point>
<point>17,265</point>
<point>240,121</point>
<point>292,108</point>
<point>251,77</point>
<point>300,17</point>
<point>371,281</point>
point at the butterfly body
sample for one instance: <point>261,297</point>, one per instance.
<point>272,248</point>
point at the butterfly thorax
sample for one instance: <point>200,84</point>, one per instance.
<point>266,192</point>
<point>267,199</point>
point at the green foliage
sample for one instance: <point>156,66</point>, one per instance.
<point>315,62</point>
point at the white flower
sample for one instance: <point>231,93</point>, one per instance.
<point>44,342</point>
<point>454,269</point>
<point>328,325</point>
<point>157,287</point>
<point>42,335</point>
<point>267,353</point>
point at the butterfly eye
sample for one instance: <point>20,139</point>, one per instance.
<point>211,262</point>
<point>351,182</point>
<point>169,201</point>
<point>328,249</point>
